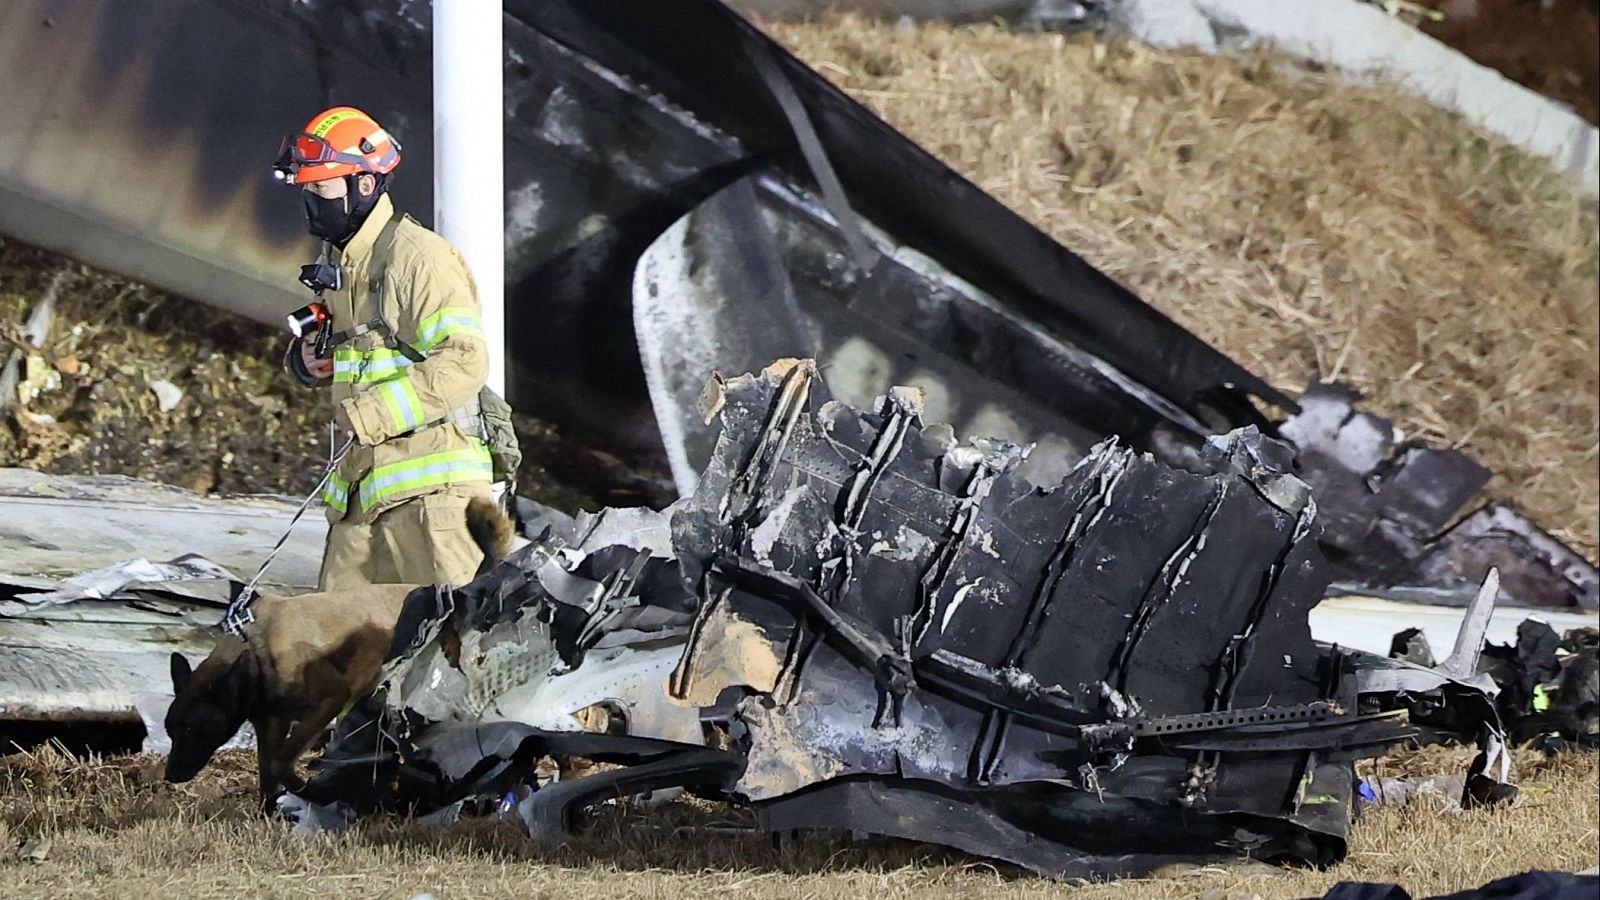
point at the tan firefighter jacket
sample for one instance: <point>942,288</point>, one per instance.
<point>407,445</point>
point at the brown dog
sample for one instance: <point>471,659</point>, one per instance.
<point>303,661</point>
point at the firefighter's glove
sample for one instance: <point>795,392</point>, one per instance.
<point>302,362</point>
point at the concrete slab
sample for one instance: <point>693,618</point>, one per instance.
<point>1367,623</point>
<point>89,660</point>
<point>55,527</point>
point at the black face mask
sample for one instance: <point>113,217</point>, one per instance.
<point>339,219</point>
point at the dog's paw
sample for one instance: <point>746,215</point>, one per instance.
<point>271,808</point>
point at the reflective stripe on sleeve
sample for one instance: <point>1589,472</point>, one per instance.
<point>336,493</point>
<point>444,323</point>
<point>352,366</point>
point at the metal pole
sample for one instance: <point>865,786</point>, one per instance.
<point>469,154</point>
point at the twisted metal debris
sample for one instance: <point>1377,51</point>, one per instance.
<point>858,622</point>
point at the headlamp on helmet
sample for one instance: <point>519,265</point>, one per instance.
<point>337,142</point>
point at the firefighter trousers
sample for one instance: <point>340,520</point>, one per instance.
<point>423,540</point>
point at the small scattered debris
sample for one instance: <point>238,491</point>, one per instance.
<point>91,407</point>
<point>34,850</point>
<point>168,395</point>
<point>38,420</point>
<point>34,333</point>
<point>1549,686</point>
<point>1443,791</point>
<point>38,378</point>
<point>311,819</point>
<point>440,817</point>
<point>1412,646</point>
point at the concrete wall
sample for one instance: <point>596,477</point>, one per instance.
<point>1367,43</point>
<point>943,10</point>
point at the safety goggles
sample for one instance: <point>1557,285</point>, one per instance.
<point>301,149</point>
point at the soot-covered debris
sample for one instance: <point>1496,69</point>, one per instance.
<point>859,623</point>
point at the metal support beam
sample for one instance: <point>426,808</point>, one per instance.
<point>469,154</point>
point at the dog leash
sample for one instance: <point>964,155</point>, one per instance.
<point>238,613</point>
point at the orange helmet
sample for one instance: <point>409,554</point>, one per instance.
<point>337,142</point>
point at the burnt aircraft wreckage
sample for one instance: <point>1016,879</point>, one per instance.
<point>859,622</point>
<point>849,619</point>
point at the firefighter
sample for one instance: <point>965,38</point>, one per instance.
<point>405,355</point>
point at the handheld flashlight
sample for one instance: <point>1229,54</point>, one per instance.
<point>308,319</point>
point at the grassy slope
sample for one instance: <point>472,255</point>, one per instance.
<point>1305,227</point>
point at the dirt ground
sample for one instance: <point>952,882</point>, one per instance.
<point>116,830</point>
<point>1551,46</point>
<point>238,424</point>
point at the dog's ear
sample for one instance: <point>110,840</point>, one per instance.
<point>180,673</point>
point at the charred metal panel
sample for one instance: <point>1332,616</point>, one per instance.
<point>703,55</point>
<point>1084,646</point>
<point>934,10</point>
<point>588,616</point>
<point>1388,509</point>
<point>908,320</point>
<point>137,136</point>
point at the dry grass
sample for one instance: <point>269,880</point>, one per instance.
<point>1308,228</point>
<point>117,830</point>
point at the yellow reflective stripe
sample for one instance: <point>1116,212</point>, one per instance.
<point>377,354</point>
<point>322,128</point>
<point>1541,698</point>
<point>354,372</point>
<point>373,365</point>
<point>365,377</point>
<point>336,493</point>
<point>405,407</point>
<point>463,466</point>
<point>445,322</point>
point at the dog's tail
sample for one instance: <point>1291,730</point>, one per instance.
<point>491,530</point>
